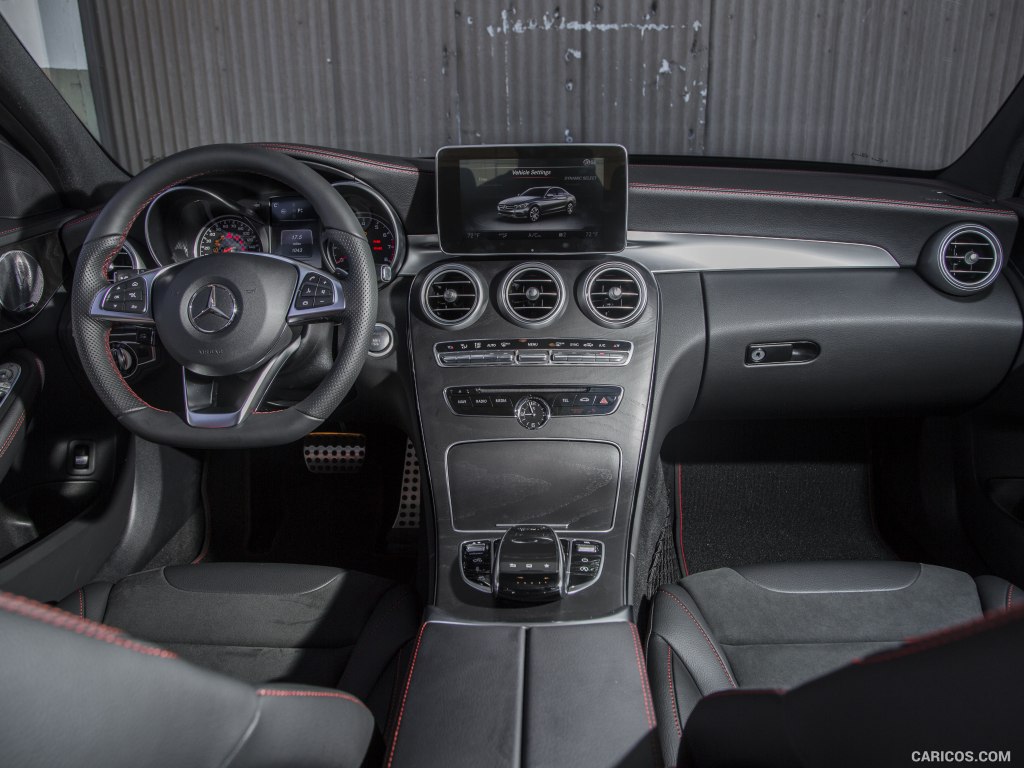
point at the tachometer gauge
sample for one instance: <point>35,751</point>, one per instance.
<point>380,237</point>
<point>226,234</point>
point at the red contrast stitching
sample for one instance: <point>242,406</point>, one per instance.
<point>81,603</point>
<point>648,702</point>
<point>1009,597</point>
<point>405,695</point>
<point>679,497</point>
<point>672,693</point>
<point>30,609</point>
<point>12,229</point>
<point>703,633</point>
<point>14,433</point>
<point>84,217</point>
<point>298,149</point>
<point>822,198</point>
<point>148,200</point>
<point>944,637</point>
<point>310,694</point>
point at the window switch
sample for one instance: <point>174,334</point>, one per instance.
<point>80,458</point>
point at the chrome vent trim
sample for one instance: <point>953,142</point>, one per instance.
<point>970,257</point>
<point>613,295</point>
<point>452,296</point>
<point>532,295</point>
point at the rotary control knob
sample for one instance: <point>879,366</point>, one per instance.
<point>532,412</point>
<point>124,358</point>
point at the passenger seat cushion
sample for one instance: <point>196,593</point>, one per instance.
<point>778,626</point>
<point>957,689</point>
<point>263,622</point>
<point>781,625</point>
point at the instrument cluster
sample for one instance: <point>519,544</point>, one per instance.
<point>190,222</point>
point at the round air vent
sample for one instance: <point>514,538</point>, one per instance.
<point>613,295</point>
<point>532,295</point>
<point>962,259</point>
<point>452,296</point>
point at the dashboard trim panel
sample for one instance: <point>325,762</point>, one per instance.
<point>665,252</point>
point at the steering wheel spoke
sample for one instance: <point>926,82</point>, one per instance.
<point>217,402</point>
<point>129,300</point>
<point>318,296</point>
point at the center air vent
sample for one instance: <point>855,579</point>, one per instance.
<point>613,295</point>
<point>452,296</point>
<point>532,295</point>
<point>962,259</point>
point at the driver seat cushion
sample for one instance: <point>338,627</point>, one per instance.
<point>267,622</point>
<point>778,626</point>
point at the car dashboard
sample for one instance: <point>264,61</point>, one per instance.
<point>541,386</point>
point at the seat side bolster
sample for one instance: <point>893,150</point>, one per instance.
<point>675,694</point>
<point>89,602</point>
<point>679,622</point>
<point>307,726</point>
<point>996,594</point>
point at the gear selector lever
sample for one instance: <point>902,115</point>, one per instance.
<point>529,565</point>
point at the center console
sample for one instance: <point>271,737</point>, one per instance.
<point>533,355</point>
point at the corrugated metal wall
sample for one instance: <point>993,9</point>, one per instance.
<point>904,83</point>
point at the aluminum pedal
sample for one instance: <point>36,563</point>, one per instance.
<point>334,452</point>
<point>409,506</point>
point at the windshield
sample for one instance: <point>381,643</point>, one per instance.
<point>900,84</point>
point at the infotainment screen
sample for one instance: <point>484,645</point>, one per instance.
<point>532,199</point>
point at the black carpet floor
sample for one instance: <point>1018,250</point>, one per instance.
<point>265,506</point>
<point>772,492</point>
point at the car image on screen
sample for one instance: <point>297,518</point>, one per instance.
<point>537,201</point>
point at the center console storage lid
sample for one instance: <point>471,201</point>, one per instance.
<point>499,695</point>
<point>567,484</point>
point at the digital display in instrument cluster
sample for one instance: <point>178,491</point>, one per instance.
<point>295,229</point>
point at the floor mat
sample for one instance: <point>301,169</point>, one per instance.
<point>743,513</point>
<point>265,506</point>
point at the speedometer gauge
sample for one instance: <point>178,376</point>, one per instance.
<point>226,234</point>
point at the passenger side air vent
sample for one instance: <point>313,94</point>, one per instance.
<point>962,259</point>
<point>613,295</point>
<point>452,296</point>
<point>532,295</point>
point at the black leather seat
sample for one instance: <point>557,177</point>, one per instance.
<point>76,692</point>
<point>776,627</point>
<point>267,623</point>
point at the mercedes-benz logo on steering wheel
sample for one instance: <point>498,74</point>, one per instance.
<point>212,308</point>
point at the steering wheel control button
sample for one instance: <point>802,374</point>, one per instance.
<point>532,412</point>
<point>126,296</point>
<point>315,291</point>
<point>533,352</point>
<point>212,308</point>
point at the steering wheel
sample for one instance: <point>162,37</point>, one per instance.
<point>230,320</point>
